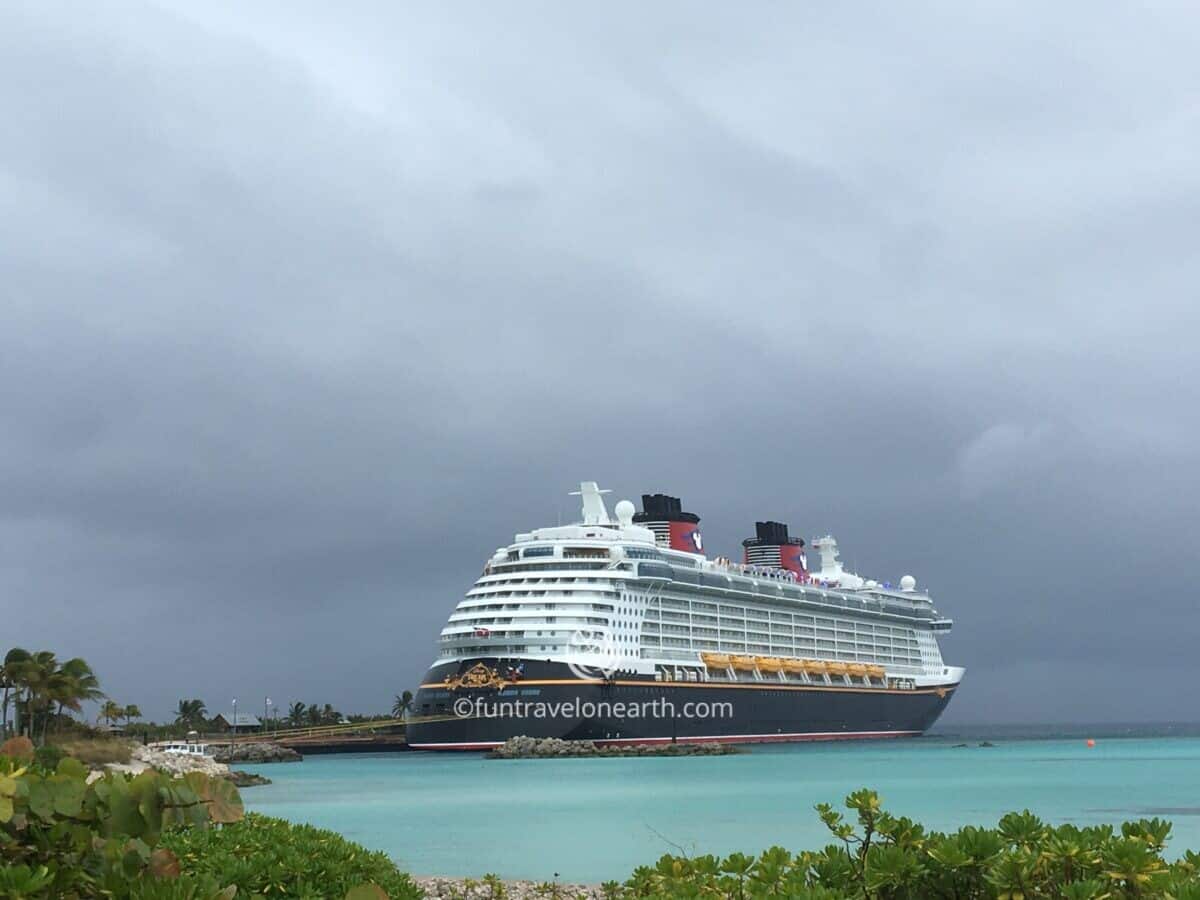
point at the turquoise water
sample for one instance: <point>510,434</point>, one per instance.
<point>592,820</point>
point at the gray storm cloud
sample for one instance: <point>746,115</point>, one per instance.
<point>305,308</point>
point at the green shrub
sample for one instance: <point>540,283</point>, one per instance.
<point>64,838</point>
<point>882,857</point>
<point>47,758</point>
<point>261,855</point>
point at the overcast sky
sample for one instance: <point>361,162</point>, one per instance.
<point>306,308</point>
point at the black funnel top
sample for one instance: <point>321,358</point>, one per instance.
<point>771,534</point>
<point>663,508</point>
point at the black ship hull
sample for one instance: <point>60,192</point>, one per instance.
<point>473,706</point>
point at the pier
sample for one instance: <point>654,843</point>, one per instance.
<point>377,736</point>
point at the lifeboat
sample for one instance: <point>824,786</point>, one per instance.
<point>857,669</point>
<point>876,671</point>
<point>836,668</point>
<point>745,663</point>
<point>815,667</point>
<point>716,660</point>
<point>795,666</point>
<point>770,663</point>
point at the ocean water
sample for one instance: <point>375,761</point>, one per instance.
<point>592,820</point>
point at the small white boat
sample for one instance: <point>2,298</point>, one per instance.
<point>190,746</point>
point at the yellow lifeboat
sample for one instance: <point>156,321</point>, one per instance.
<point>857,669</point>
<point>836,668</point>
<point>770,663</point>
<point>715,660</point>
<point>876,671</point>
<point>815,667</point>
<point>745,663</point>
<point>795,666</point>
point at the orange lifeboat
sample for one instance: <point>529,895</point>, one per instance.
<point>770,664</point>
<point>795,666</point>
<point>716,660</point>
<point>745,663</point>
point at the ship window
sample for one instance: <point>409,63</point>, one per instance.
<point>641,553</point>
<point>585,553</point>
<point>538,551</point>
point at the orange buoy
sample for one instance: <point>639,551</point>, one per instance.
<point>1091,743</point>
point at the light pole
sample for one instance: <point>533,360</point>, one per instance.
<point>235,716</point>
<point>266,713</point>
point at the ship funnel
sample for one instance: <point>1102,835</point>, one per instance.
<point>672,527</point>
<point>771,547</point>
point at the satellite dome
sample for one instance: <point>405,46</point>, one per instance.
<point>908,583</point>
<point>625,510</point>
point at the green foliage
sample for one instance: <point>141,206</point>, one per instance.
<point>47,758</point>
<point>268,856</point>
<point>155,837</point>
<point>878,856</point>
<point>402,705</point>
<point>191,713</point>
<point>39,688</point>
<point>63,837</point>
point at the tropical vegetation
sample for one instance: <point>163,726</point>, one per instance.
<point>40,690</point>
<point>884,857</point>
<point>301,714</point>
<point>272,858</point>
<point>154,837</point>
<point>191,713</point>
<point>65,838</point>
<point>403,705</point>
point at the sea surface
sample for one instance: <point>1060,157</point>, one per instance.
<point>592,820</point>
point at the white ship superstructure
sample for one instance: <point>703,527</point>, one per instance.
<point>613,596</point>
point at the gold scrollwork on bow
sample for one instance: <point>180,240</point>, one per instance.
<point>478,676</point>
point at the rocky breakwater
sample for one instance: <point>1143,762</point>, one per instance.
<point>489,887</point>
<point>254,752</point>
<point>142,758</point>
<point>522,747</point>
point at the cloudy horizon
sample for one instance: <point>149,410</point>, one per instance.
<point>304,311</point>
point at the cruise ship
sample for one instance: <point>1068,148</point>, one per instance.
<point>621,630</point>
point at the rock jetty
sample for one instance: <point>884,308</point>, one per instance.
<point>437,888</point>
<point>142,758</point>
<point>522,747</point>
<point>246,779</point>
<point>254,752</point>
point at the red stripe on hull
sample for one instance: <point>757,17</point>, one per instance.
<point>715,739</point>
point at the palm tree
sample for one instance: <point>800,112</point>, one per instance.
<point>190,712</point>
<point>403,705</point>
<point>80,684</point>
<point>314,714</point>
<point>13,660</point>
<point>111,711</point>
<point>330,716</point>
<point>43,684</point>
<point>296,713</point>
<point>131,712</point>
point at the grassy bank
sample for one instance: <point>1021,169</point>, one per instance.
<point>95,751</point>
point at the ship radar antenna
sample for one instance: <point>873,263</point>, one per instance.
<point>594,510</point>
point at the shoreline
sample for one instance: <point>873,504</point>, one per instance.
<point>439,887</point>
